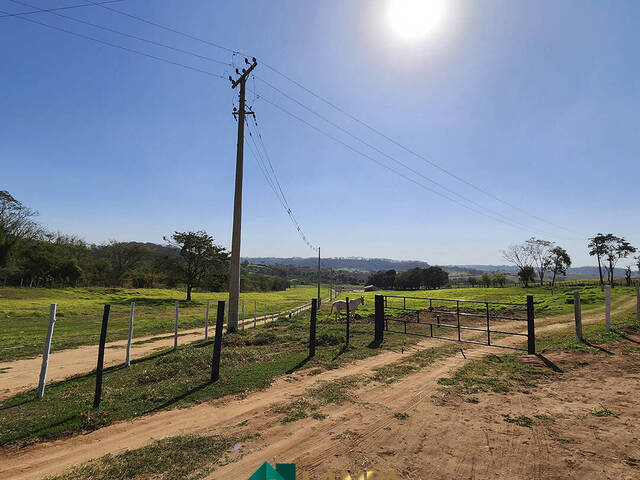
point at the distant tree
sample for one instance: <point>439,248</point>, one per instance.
<point>597,248</point>
<point>527,274</point>
<point>560,261</point>
<point>498,279</point>
<point>198,254</point>
<point>519,255</point>
<point>615,249</point>
<point>125,257</point>
<point>540,253</point>
<point>410,279</point>
<point>16,224</point>
<point>382,279</point>
<point>473,281</point>
<point>627,275</point>
<point>434,277</point>
<point>485,280</point>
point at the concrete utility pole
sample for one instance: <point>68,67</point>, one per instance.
<point>234,280</point>
<point>319,298</point>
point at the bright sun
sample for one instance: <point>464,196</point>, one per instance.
<point>415,19</point>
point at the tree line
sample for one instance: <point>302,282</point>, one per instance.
<point>31,256</point>
<point>413,279</point>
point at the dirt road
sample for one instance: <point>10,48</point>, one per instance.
<point>356,434</point>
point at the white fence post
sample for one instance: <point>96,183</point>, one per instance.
<point>206,322</point>
<point>175,330</point>
<point>607,307</point>
<point>131,312</point>
<point>47,349</point>
<point>578,314</point>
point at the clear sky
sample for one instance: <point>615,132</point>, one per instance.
<point>536,102</point>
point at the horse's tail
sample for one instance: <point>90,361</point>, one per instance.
<point>332,305</point>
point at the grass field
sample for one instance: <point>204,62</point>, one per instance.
<point>548,301</point>
<point>24,314</point>
<point>250,360</point>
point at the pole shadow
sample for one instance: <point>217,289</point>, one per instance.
<point>549,363</point>
<point>625,336</point>
<point>300,364</point>
<point>588,343</point>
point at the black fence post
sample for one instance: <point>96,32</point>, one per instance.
<point>312,327</point>
<point>379,327</point>
<point>347,342</point>
<point>103,339</point>
<point>217,343</point>
<point>531,331</point>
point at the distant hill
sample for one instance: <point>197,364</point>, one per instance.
<point>358,264</point>
<point>355,264</point>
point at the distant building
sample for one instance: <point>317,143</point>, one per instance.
<point>370,288</point>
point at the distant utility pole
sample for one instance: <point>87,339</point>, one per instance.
<point>234,280</point>
<point>319,299</point>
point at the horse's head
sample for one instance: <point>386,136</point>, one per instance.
<point>362,300</point>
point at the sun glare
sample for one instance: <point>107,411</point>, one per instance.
<point>414,20</point>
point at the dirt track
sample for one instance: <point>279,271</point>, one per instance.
<point>356,435</point>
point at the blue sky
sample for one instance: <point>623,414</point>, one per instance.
<point>537,102</point>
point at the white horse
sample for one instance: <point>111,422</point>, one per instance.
<point>340,305</point>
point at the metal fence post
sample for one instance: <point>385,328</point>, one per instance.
<point>217,343</point>
<point>47,349</point>
<point>131,313</point>
<point>607,307</point>
<point>206,322</point>
<point>578,314</point>
<point>175,329</point>
<point>531,331</point>
<point>103,339</point>
<point>312,327</point>
<point>379,316</point>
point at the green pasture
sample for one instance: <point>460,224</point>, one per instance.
<point>548,301</point>
<point>24,314</point>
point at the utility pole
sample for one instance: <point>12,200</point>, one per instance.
<point>319,299</point>
<point>234,280</point>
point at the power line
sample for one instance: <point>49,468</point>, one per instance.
<point>169,29</point>
<point>272,180</point>
<point>387,167</point>
<point>128,35</point>
<point>412,152</point>
<point>121,47</point>
<point>390,157</point>
<point>42,10</point>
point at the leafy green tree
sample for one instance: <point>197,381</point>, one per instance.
<point>615,249</point>
<point>540,253</point>
<point>485,280</point>
<point>527,274</point>
<point>597,248</point>
<point>125,257</point>
<point>198,255</point>
<point>560,261</point>
<point>16,224</point>
<point>382,278</point>
<point>434,277</point>
<point>498,279</point>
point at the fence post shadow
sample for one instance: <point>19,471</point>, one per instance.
<point>549,363</point>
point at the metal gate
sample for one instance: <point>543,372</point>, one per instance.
<point>469,321</point>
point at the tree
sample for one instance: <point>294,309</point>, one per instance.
<point>560,261</point>
<point>16,224</point>
<point>125,257</point>
<point>473,281</point>
<point>199,254</point>
<point>434,277</point>
<point>627,275</point>
<point>540,254</point>
<point>383,279</point>
<point>519,255</point>
<point>596,247</point>
<point>526,275</point>
<point>485,279</point>
<point>498,279</point>
<point>615,249</point>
